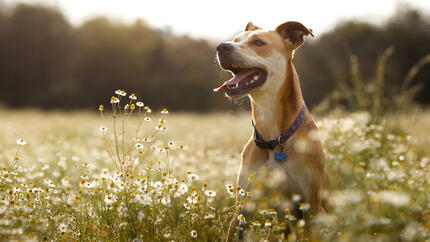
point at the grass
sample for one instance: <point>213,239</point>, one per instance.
<point>67,182</point>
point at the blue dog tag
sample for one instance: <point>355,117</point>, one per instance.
<point>280,156</point>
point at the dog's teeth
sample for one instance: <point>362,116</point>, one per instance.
<point>237,85</point>
<point>255,78</point>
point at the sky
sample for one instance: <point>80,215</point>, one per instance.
<point>221,19</point>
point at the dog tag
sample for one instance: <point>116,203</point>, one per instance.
<point>280,155</point>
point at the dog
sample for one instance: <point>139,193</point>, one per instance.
<point>285,135</point>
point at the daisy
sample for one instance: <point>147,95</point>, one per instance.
<point>210,193</point>
<point>241,219</point>
<point>209,215</point>
<point>133,96</point>
<point>21,142</point>
<point>110,198</point>
<point>139,146</point>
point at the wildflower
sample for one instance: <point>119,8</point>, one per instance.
<point>271,212</point>
<point>230,189</point>
<point>209,215</point>
<point>165,201</point>
<point>21,142</point>
<point>242,192</point>
<point>301,223</point>
<point>296,197</point>
<point>140,215</point>
<point>132,106</point>
<point>251,177</point>
<point>114,100</point>
<point>392,197</point>
<point>121,92</point>
<point>193,199</point>
<point>101,107</point>
<point>187,206</point>
<point>210,193</point>
<point>139,104</point>
<point>241,219</point>
<point>167,234</point>
<point>103,129</point>
<point>256,224</point>
<point>164,111</point>
<point>193,233</point>
<point>147,119</point>
<point>133,96</point>
<point>48,182</point>
<point>240,204</point>
<point>193,177</point>
<point>183,188</point>
<point>158,185</point>
<point>267,224</point>
<point>109,199</point>
<point>88,185</point>
<point>62,228</point>
<point>342,198</point>
<point>139,146</point>
<point>304,206</point>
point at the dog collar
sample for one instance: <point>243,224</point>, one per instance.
<point>271,144</point>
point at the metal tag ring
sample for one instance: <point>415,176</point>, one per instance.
<point>279,140</point>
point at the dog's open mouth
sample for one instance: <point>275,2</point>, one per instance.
<point>244,80</point>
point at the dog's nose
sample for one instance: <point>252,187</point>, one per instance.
<point>224,47</point>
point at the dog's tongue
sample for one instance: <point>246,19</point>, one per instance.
<point>240,76</point>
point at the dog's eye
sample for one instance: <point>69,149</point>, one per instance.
<point>258,42</point>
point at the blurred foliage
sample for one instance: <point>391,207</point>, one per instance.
<point>46,62</point>
<point>388,55</point>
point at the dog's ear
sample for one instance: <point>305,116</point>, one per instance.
<point>251,27</point>
<point>293,32</point>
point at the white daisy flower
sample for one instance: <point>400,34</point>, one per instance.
<point>210,193</point>
<point>21,142</point>
<point>110,198</point>
<point>139,146</point>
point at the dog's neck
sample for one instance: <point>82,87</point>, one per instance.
<point>275,110</point>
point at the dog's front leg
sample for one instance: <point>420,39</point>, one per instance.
<point>252,159</point>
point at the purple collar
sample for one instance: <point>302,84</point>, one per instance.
<point>271,144</point>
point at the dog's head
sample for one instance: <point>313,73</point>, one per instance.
<point>257,58</point>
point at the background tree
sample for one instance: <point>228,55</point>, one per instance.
<point>46,62</point>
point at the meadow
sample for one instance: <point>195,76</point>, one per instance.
<point>137,174</point>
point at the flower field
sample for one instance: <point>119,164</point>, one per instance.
<point>136,174</point>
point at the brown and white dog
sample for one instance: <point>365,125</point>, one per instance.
<point>262,64</point>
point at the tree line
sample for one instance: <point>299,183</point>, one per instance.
<point>46,62</point>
